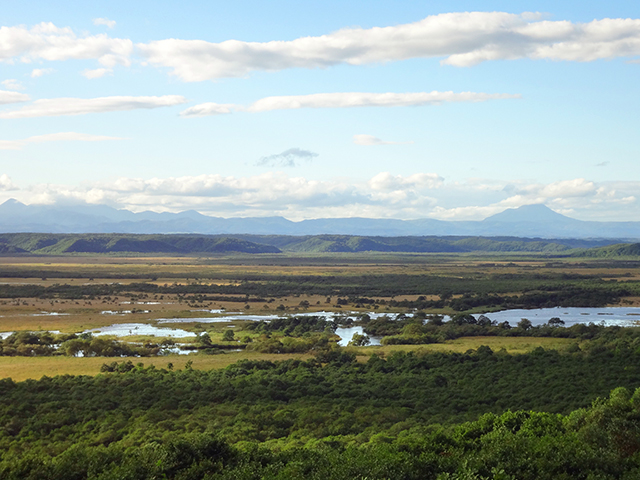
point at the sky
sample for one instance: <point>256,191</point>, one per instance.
<point>314,109</point>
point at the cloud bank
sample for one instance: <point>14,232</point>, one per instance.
<point>47,42</point>
<point>54,107</point>
<point>54,137</point>
<point>345,100</point>
<point>385,195</point>
<point>462,39</point>
<point>7,97</point>
<point>459,39</point>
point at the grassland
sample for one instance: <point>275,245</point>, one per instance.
<point>511,345</point>
<point>23,368</point>
<point>510,274</point>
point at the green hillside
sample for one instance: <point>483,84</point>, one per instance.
<point>432,244</point>
<point>612,251</point>
<point>53,244</point>
<point>59,244</point>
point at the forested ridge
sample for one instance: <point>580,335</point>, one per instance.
<point>333,417</point>
<point>56,244</point>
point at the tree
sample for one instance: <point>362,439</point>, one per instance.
<point>525,324</point>
<point>205,340</point>
<point>359,340</point>
<point>228,336</point>
<point>555,322</point>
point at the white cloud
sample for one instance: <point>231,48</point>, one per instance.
<point>104,21</point>
<point>12,84</point>
<point>80,106</point>
<point>54,137</point>
<point>206,109</point>
<point>271,193</point>
<point>345,100</point>
<point>96,73</point>
<point>39,72</point>
<point>6,184</point>
<point>567,196</point>
<point>7,97</point>
<point>288,158</point>
<point>463,39</point>
<point>363,139</point>
<point>385,181</point>
<point>385,195</point>
<point>46,41</point>
<point>360,99</point>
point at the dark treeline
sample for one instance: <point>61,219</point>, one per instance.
<point>424,329</point>
<point>457,293</point>
<point>295,326</point>
<point>333,418</point>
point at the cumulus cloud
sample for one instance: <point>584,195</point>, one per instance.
<point>6,184</point>
<point>80,106</point>
<point>271,193</point>
<point>460,39</point>
<point>54,137</point>
<point>46,41</point>
<point>345,100</point>
<point>385,181</point>
<point>39,72</point>
<point>363,139</point>
<point>289,158</point>
<point>104,21</point>
<point>385,195</point>
<point>7,97</point>
<point>12,84</point>
<point>569,197</point>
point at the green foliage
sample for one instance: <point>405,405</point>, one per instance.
<point>600,442</point>
<point>611,251</point>
<point>415,331</point>
<point>56,244</point>
<point>31,344</point>
<point>359,340</point>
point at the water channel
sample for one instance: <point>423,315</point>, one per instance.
<point>606,316</point>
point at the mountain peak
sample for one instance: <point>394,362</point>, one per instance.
<point>12,206</point>
<point>528,213</point>
<point>12,201</point>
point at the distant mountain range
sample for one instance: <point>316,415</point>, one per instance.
<point>533,221</point>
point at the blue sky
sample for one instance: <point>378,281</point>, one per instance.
<point>323,109</point>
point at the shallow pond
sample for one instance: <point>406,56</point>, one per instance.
<point>346,334</point>
<point>128,329</point>
<point>608,316</point>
